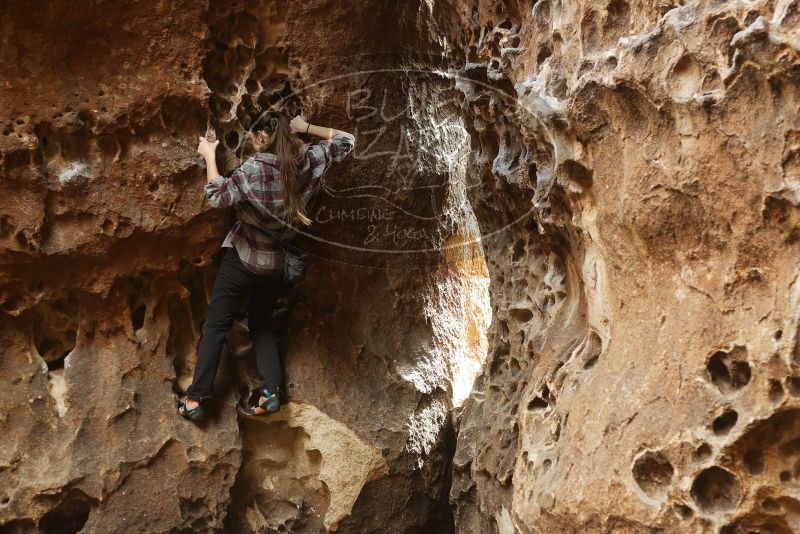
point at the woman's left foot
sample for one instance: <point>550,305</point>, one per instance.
<point>268,402</point>
<point>190,409</point>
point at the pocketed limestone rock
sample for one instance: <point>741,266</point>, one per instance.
<point>108,257</point>
<point>643,346</point>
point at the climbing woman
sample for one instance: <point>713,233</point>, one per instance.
<point>269,191</point>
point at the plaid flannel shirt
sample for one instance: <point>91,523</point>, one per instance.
<point>255,190</point>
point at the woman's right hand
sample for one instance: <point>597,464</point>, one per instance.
<point>298,124</point>
<point>207,148</point>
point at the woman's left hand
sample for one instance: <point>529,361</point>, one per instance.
<point>207,148</point>
<point>298,124</point>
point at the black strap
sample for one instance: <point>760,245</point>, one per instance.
<point>299,251</point>
<point>273,235</point>
<point>285,244</point>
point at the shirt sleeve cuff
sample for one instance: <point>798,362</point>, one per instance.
<point>218,180</point>
<point>345,135</point>
<point>214,184</point>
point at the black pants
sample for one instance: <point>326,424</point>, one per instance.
<point>231,285</point>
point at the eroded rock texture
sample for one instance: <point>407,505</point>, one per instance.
<point>610,189</point>
<point>642,158</point>
<point>108,258</point>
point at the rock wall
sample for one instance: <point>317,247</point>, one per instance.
<point>600,200</point>
<point>642,161</point>
<point>108,255</point>
<point>105,253</point>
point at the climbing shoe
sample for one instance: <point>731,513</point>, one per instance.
<point>264,401</point>
<point>195,414</point>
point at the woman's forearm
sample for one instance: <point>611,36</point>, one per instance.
<point>323,132</point>
<point>211,167</point>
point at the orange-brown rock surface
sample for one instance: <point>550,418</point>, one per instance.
<point>108,257</point>
<point>643,355</point>
<point>587,210</point>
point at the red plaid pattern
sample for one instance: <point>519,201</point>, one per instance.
<point>255,189</point>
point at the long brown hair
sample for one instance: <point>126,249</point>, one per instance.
<point>286,146</point>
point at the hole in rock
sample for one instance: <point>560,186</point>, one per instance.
<point>716,490</point>
<point>754,461</point>
<point>109,144</point>
<point>776,392</point>
<point>532,169</point>
<point>50,144</point>
<point>499,359</point>
<point>54,365</point>
<point>770,450</point>
<point>653,473</point>
<point>729,371</point>
<point>702,452</point>
<point>181,341</point>
<point>617,9</point>
<point>137,316</point>
<point>219,106</point>
<point>107,227</point>
<point>684,511</point>
<point>793,385</point>
<point>519,250</point>
<point>725,422</point>
<point>139,289</point>
<point>537,403</point>
<point>252,86</point>
<point>68,516</point>
<point>55,327</point>
<point>685,78</point>
<point>232,140</point>
<point>523,315</point>
<point>576,173</point>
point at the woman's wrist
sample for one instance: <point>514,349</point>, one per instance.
<point>322,132</point>
<point>211,168</point>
